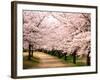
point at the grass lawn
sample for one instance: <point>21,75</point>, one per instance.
<point>79,61</point>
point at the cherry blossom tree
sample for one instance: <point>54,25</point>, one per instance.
<point>62,31</point>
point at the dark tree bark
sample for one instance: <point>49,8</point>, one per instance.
<point>65,56</point>
<point>29,56</point>
<point>30,51</point>
<point>88,59</point>
<point>74,56</point>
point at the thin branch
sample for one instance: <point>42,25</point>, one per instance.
<point>41,21</point>
<point>58,19</point>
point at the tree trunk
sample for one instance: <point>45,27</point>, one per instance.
<point>65,56</point>
<point>32,53</point>
<point>29,56</point>
<point>74,57</point>
<point>88,60</point>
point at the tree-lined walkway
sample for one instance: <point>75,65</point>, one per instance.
<point>46,60</point>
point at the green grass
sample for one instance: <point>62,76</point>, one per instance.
<point>30,63</point>
<point>79,61</point>
<point>69,60</point>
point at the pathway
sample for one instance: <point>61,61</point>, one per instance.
<point>48,61</point>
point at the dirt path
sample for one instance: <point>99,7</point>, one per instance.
<point>47,60</point>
